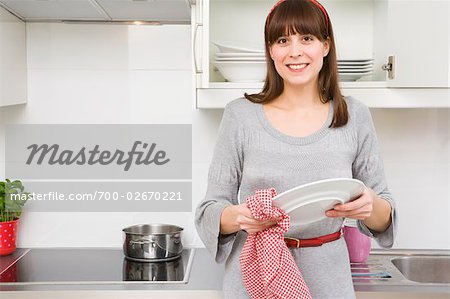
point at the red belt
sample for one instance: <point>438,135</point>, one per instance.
<point>314,242</point>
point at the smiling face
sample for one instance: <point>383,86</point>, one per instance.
<point>298,58</point>
<point>300,49</point>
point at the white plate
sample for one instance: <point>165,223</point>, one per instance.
<point>356,68</point>
<point>240,59</point>
<point>308,203</point>
<point>360,60</point>
<point>354,65</point>
<point>240,55</point>
<point>355,62</point>
<point>232,47</point>
<point>355,72</point>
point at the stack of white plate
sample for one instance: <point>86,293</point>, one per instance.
<point>239,63</point>
<point>354,69</point>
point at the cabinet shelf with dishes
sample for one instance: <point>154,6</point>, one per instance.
<point>377,32</point>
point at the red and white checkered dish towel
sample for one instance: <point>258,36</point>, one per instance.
<point>268,269</point>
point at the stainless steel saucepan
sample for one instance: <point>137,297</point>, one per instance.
<point>161,271</point>
<point>152,242</point>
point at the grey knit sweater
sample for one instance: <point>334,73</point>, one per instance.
<point>250,154</point>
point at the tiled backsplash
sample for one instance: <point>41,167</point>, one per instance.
<point>142,74</point>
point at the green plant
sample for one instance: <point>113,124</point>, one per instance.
<point>12,199</point>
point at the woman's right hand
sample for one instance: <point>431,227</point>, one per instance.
<point>239,217</point>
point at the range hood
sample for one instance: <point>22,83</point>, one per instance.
<point>154,11</point>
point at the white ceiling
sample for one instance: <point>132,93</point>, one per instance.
<point>164,11</point>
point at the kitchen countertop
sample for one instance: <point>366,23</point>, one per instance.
<point>205,275</point>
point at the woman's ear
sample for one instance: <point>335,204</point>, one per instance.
<point>326,47</point>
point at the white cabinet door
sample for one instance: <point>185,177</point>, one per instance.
<point>200,43</point>
<point>418,36</point>
<point>13,60</point>
<point>204,60</point>
<point>236,21</point>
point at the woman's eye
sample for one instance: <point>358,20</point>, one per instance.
<point>282,40</point>
<point>308,38</point>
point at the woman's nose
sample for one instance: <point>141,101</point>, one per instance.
<point>296,49</point>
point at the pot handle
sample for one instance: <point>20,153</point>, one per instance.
<point>142,242</point>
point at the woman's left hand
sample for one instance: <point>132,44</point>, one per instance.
<point>360,208</point>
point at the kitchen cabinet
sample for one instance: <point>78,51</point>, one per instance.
<point>159,11</point>
<point>414,42</point>
<point>13,60</point>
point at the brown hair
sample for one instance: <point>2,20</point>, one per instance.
<point>303,17</point>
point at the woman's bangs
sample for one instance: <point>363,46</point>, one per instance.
<point>292,18</point>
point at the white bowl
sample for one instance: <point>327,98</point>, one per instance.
<point>352,76</point>
<point>232,47</point>
<point>242,71</point>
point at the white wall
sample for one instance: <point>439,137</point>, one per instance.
<point>415,145</point>
<point>142,74</point>
<point>102,74</point>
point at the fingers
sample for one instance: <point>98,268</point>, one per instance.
<point>360,208</point>
<point>364,212</point>
<point>252,225</point>
<point>341,212</point>
<point>356,215</point>
<point>245,211</point>
<point>247,222</point>
<point>362,201</point>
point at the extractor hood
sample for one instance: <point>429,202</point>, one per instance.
<point>159,11</point>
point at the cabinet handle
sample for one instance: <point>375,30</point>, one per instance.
<point>194,49</point>
<point>390,67</point>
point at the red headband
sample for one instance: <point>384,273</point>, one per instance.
<point>313,1</point>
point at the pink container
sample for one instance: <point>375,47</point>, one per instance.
<point>358,244</point>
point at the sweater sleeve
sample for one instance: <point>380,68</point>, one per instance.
<point>368,167</point>
<point>224,178</point>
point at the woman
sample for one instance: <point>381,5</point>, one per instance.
<point>298,130</point>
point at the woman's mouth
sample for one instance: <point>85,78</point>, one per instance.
<point>297,66</point>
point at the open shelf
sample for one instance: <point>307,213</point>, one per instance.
<point>374,97</point>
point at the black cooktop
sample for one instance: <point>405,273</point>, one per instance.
<point>96,266</point>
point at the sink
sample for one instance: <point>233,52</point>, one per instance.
<point>424,269</point>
